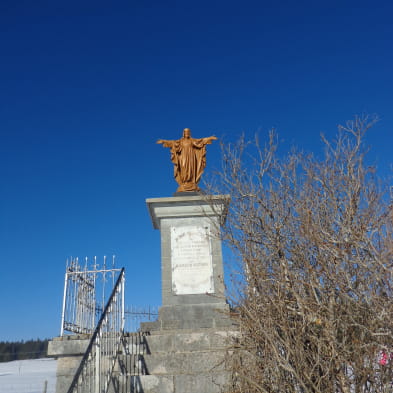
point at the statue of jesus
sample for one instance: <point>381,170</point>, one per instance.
<point>189,156</point>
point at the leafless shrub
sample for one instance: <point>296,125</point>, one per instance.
<point>314,237</point>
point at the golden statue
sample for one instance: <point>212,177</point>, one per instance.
<point>189,156</point>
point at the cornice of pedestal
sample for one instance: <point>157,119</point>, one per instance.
<point>187,206</point>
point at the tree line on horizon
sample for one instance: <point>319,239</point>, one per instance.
<point>23,350</point>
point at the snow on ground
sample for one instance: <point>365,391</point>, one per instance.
<point>28,376</point>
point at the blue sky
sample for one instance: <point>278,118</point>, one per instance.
<point>86,89</point>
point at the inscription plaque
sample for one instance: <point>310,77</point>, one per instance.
<point>192,269</point>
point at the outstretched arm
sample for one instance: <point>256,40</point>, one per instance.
<point>209,139</point>
<point>165,143</point>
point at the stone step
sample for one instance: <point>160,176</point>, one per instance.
<point>213,314</point>
<point>179,341</point>
<point>182,383</point>
<point>202,323</point>
<point>175,363</point>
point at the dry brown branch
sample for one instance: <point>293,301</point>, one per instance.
<point>314,238</point>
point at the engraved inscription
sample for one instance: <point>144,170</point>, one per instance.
<point>192,270</point>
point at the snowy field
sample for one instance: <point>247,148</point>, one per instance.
<point>28,376</point>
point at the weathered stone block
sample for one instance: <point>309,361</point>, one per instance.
<point>151,384</point>
<point>68,345</point>
<point>209,383</point>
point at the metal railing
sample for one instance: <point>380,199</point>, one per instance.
<point>135,315</point>
<point>85,294</point>
<point>95,370</point>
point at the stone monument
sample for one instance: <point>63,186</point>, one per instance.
<point>191,256</point>
<point>191,260</point>
<point>189,341</point>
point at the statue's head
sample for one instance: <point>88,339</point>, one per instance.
<point>186,133</point>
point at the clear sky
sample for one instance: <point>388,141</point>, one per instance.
<point>86,89</point>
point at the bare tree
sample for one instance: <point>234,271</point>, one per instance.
<point>314,236</point>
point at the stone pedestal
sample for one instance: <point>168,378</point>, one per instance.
<point>68,351</point>
<point>191,260</point>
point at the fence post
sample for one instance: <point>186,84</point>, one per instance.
<point>64,304</point>
<point>97,368</point>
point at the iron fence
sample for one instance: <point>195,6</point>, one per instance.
<point>95,370</point>
<point>85,294</point>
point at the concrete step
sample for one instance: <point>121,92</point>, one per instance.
<point>173,363</point>
<point>182,383</point>
<point>184,361</point>
<point>179,341</point>
<point>214,314</point>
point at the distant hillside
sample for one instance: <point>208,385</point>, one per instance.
<point>21,350</point>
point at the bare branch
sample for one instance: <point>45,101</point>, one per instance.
<point>314,294</point>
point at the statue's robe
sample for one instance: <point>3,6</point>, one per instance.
<point>189,158</point>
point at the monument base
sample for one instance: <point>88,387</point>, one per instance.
<point>191,261</point>
<point>190,316</point>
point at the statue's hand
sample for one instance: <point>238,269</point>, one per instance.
<point>165,143</point>
<point>210,139</point>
